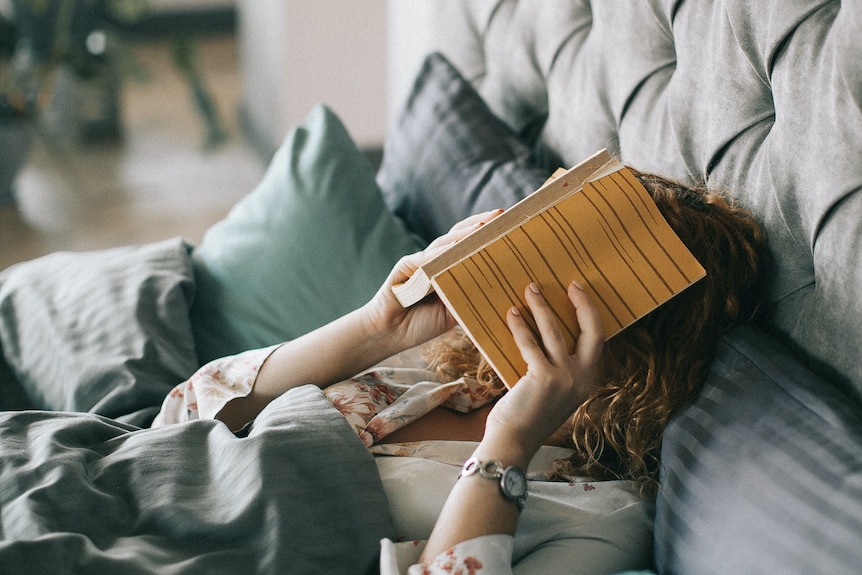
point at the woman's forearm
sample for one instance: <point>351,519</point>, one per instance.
<point>556,383</point>
<point>322,357</point>
<point>475,506</point>
<point>356,341</point>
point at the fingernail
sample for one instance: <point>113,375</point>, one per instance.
<point>577,285</point>
<point>534,288</point>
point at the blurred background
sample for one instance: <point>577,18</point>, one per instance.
<point>130,121</point>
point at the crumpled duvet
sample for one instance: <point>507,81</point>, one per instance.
<point>84,494</point>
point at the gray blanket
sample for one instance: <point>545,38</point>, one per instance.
<point>85,494</point>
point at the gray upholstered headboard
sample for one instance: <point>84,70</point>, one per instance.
<point>763,472</point>
<point>762,98</point>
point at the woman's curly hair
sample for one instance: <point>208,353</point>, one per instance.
<point>655,366</point>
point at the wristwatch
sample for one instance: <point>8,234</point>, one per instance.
<point>512,481</point>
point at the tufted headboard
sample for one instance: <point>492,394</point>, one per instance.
<point>763,472</point>
<point>761,98</point>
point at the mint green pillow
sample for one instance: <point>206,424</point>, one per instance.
<point>313,241</point>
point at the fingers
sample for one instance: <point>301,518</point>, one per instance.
<point>556,381</point>
<point>547,323</point>
<point>465,227</point>
<point>592,338</point>
<point>410,263</point>
<point>551,342</point>
<point>525,339</point>
<point>481,218</point>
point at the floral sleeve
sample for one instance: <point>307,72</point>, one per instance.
<point>491,554</point>
<point>383,400</point>
<point>211,387</point>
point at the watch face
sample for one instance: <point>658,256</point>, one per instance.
<point>514,483</point>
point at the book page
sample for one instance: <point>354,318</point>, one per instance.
<point>610,237</point>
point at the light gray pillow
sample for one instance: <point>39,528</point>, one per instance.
<point>106,331</point>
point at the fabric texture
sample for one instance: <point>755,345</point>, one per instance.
<point>210,388</point>
<point>375,403</point>
<point>300,494</point>
<point>312,242</point>
<point>763,473</point>
<point>565,528</point>
<point>449,156</point>
<point>383,400</point>
<point>477,557</point>
<point>12,393</point>
<point>105,331</point>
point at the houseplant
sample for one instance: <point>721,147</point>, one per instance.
<point>61,65</point>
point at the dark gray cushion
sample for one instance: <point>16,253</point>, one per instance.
<point>449,156</point>
<point>104,331</point>
<point>763,472</point>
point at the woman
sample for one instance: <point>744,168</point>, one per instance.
<point>605,404</point>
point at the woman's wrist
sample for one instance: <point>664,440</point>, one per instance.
<point>380,337</point>
<point>507,452</point>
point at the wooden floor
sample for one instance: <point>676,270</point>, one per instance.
<point>158,182</point>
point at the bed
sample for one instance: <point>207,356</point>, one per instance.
<point>760,474</point>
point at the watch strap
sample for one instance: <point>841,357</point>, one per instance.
<point>493,469</point>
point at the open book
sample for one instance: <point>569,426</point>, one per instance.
<point>594,223</point>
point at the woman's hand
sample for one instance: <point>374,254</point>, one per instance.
<point>356,341</point>
<point>556,382</point>
<point>429,318</point>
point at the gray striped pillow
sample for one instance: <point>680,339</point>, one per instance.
<point>763,472</point>
<point>449,156</point>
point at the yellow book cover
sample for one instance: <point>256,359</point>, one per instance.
<point>602,229</point>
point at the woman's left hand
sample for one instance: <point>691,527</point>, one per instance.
<point>429,318</point>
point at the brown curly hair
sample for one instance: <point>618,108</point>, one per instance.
<point>655,366</point>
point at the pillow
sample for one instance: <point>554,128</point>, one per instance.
<point>449,156</point>
<point>103,331</point>
<point>312,242</point>
<point>762,473</point>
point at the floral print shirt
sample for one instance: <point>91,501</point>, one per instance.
<point>375,403</point>
<point>601,522</point>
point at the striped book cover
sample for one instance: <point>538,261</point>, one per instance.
<point>603,230</point>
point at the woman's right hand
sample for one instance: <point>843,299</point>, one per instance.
<point>428,318</point>
<point>556,382</point>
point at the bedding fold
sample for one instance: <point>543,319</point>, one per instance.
<point>85,494</point>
